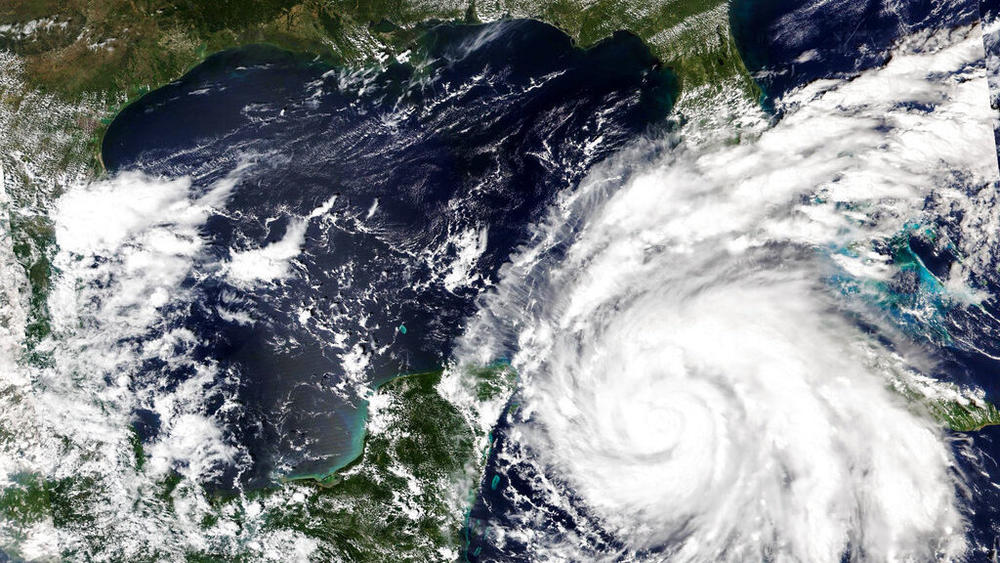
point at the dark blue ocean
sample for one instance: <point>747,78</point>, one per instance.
<point>477,133</point>
<point>464,146</point>
<point>786,44</point>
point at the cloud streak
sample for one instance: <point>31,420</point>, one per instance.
<point>691,376</point>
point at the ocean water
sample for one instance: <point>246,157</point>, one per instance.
<point>719,338</point>
<point>725,350</point>
<point>363,212</point>
<point>788,43</point>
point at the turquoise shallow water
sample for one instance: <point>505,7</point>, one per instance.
<point>786,45</point>
<point>400,191</point>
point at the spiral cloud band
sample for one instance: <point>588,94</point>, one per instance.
<point>687,368</point>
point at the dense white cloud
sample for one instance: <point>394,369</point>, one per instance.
<point>685,368</point>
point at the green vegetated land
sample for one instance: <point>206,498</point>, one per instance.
<point>94,56</point>
<point>948,405</point>
<point>403,500</point>
<point>966,417</point>
<point>81,61</point>
<point>424,463</point>
<point>120,49</point>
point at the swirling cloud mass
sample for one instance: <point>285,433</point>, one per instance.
<point>726,347</point>
<point>696,377</point>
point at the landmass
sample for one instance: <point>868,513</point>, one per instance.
<point>103,54</point>
<point>70,66</point>
<point>404,499</point>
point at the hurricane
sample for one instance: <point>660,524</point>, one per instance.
<point>672,281</point>
<point>237,331</point>
<point>710,359</point>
